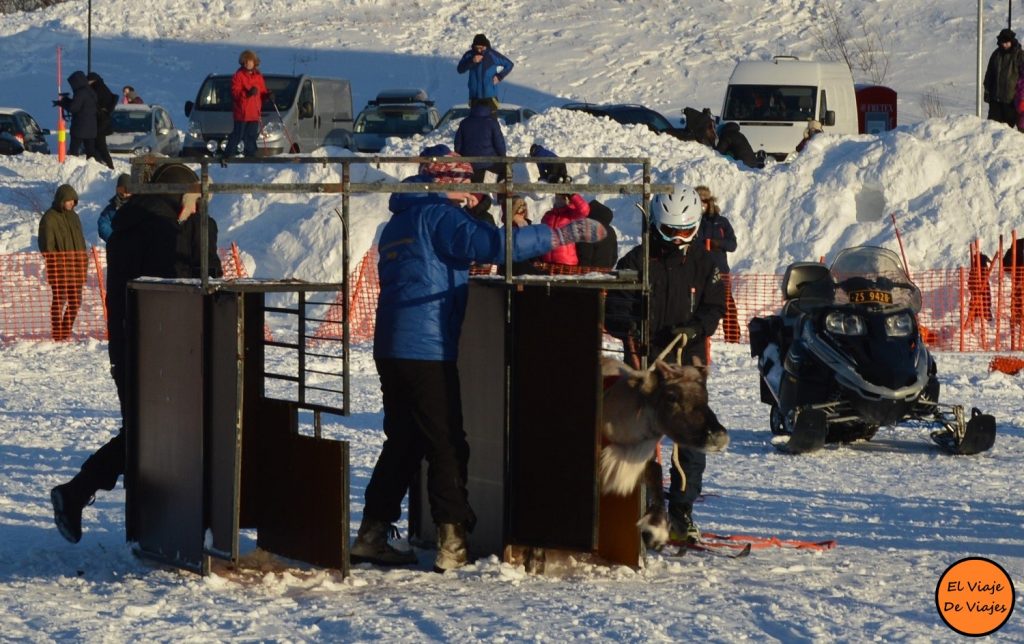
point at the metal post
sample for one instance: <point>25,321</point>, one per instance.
<point>980,74</point>
<point>204,224</point>
<point>88,40</point>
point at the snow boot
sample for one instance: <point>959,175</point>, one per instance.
<point>371,546</point>
<point>452,549</point>
<point>683,529</point>
<point>67,510</point>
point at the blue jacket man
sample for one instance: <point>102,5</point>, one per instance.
<point>486,67</point>
<point>480,135</point>
<point>425,252</point>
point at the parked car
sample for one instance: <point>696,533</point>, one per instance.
<point>628,114</point>
<point>307,112</point>
<point>19,124</point>
<point>143,129</point>
<point>401,113</point>
<point>508,114</point>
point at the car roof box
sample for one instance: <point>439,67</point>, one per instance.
<point>401,96</point>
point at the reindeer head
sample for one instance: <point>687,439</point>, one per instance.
<point>679,396</point>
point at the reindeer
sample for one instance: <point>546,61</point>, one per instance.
<point>639,408</point>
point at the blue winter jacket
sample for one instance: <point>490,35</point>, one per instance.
<point>481,75</point>
<point>105,223</point>
<point>425,252</point>
<point>479,135</point>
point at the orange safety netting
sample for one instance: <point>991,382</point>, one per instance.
<point>61,296</point>
<point>953,316</point>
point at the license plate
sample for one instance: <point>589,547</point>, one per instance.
<point>870,296</point>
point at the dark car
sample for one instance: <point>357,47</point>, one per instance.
<point>628,114</point>
<point>401,113</point>
<point>19,124</point>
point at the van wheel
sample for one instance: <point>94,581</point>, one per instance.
<point>294,149</point>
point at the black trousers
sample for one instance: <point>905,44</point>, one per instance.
<point>422,420</point>
<point>246,132</point>
<point>77,146</point>
<point>102,153</point>
<point>1003,112</point>
<point>102,469</point>
<point>684,487</point>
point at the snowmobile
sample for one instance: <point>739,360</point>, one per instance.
<point>844,356</point>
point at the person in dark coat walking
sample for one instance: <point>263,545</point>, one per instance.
<point>83,107</point>
<point>63,247</point>
<point>1004,67</point>
<point>154,235</point>
<point>480,135</point>
<point>732,143</point>
<point>426,249</point>
<point>604,253</point>
<point>106,101</point>
<point>248,90</point>
<point>717,237</point>
<point>687,300</point>
<point>486,67</point>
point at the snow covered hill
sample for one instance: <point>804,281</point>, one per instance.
<point>901,512</point>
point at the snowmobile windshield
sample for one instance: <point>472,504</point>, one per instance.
<point>215,94</point>
<point>869,275</point>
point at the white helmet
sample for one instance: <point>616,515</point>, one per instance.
<point>680,210</point>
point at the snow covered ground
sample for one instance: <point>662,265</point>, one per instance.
<point>901,512</point>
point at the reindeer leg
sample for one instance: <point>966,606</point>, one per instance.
<point>653,524</point>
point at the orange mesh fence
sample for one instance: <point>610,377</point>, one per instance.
<point>953,317</point>
<point>61,296</point>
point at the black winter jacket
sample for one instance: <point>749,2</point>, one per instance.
<point>731,142</point>
<point>82,105</point>
<point>1001,74</point>
<point>604,253</point>
<point>147,240</point>
<point>105,103</point>
<point>686,290</point>
<point>718,231</point>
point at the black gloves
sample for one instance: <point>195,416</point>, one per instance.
<point>252,91</point>
<point>688,333</point>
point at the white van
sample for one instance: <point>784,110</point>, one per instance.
<point>772,101</point>
<point>306,113</point>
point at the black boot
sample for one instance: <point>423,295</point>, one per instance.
<point>67,510</point>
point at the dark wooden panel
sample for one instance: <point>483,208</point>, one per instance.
<point>552,500</point>
<point>303,513</point>
<point>225,353</point>
<point>167,445</point>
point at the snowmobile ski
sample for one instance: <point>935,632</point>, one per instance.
<point>724,550</point>
<point>810,428</point>
<point>973,437</point>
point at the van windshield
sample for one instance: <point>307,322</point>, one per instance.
<point>769,103</point>
<point>215,94</point>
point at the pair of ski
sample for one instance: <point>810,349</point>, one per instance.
<point>737,546</point>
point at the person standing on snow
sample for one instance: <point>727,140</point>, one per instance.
<point>248,90</point>
<point>154,235</point>
<point>426,249</point>
<point>1004,67</point>
<point>63,247</point>
<point>480,135</point>
<point>83,107</point>
<point>486,67</point>
<point>106,101</point>
<point>716,235</point>
<point>687,301</point>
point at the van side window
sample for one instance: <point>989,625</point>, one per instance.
<point>306,100</point>
<point>823,107</point>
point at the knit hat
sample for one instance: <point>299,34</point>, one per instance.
<point>174,173</point>
<point>813,126</point>
<point>1006,35</point>
<point>123,181</point>
<point>481,39</point>
<point>439,150</point>
<point>445,171</point>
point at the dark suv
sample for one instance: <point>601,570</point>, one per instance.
<point>19,124</point>
<point>629,115</point>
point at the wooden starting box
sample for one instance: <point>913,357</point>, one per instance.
<point>213,438</point>
<point>529,364</point>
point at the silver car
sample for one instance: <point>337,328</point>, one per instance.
<point>143,129</point>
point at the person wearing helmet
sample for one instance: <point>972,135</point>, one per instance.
<point>687,300</point>
<point>154,235</point>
